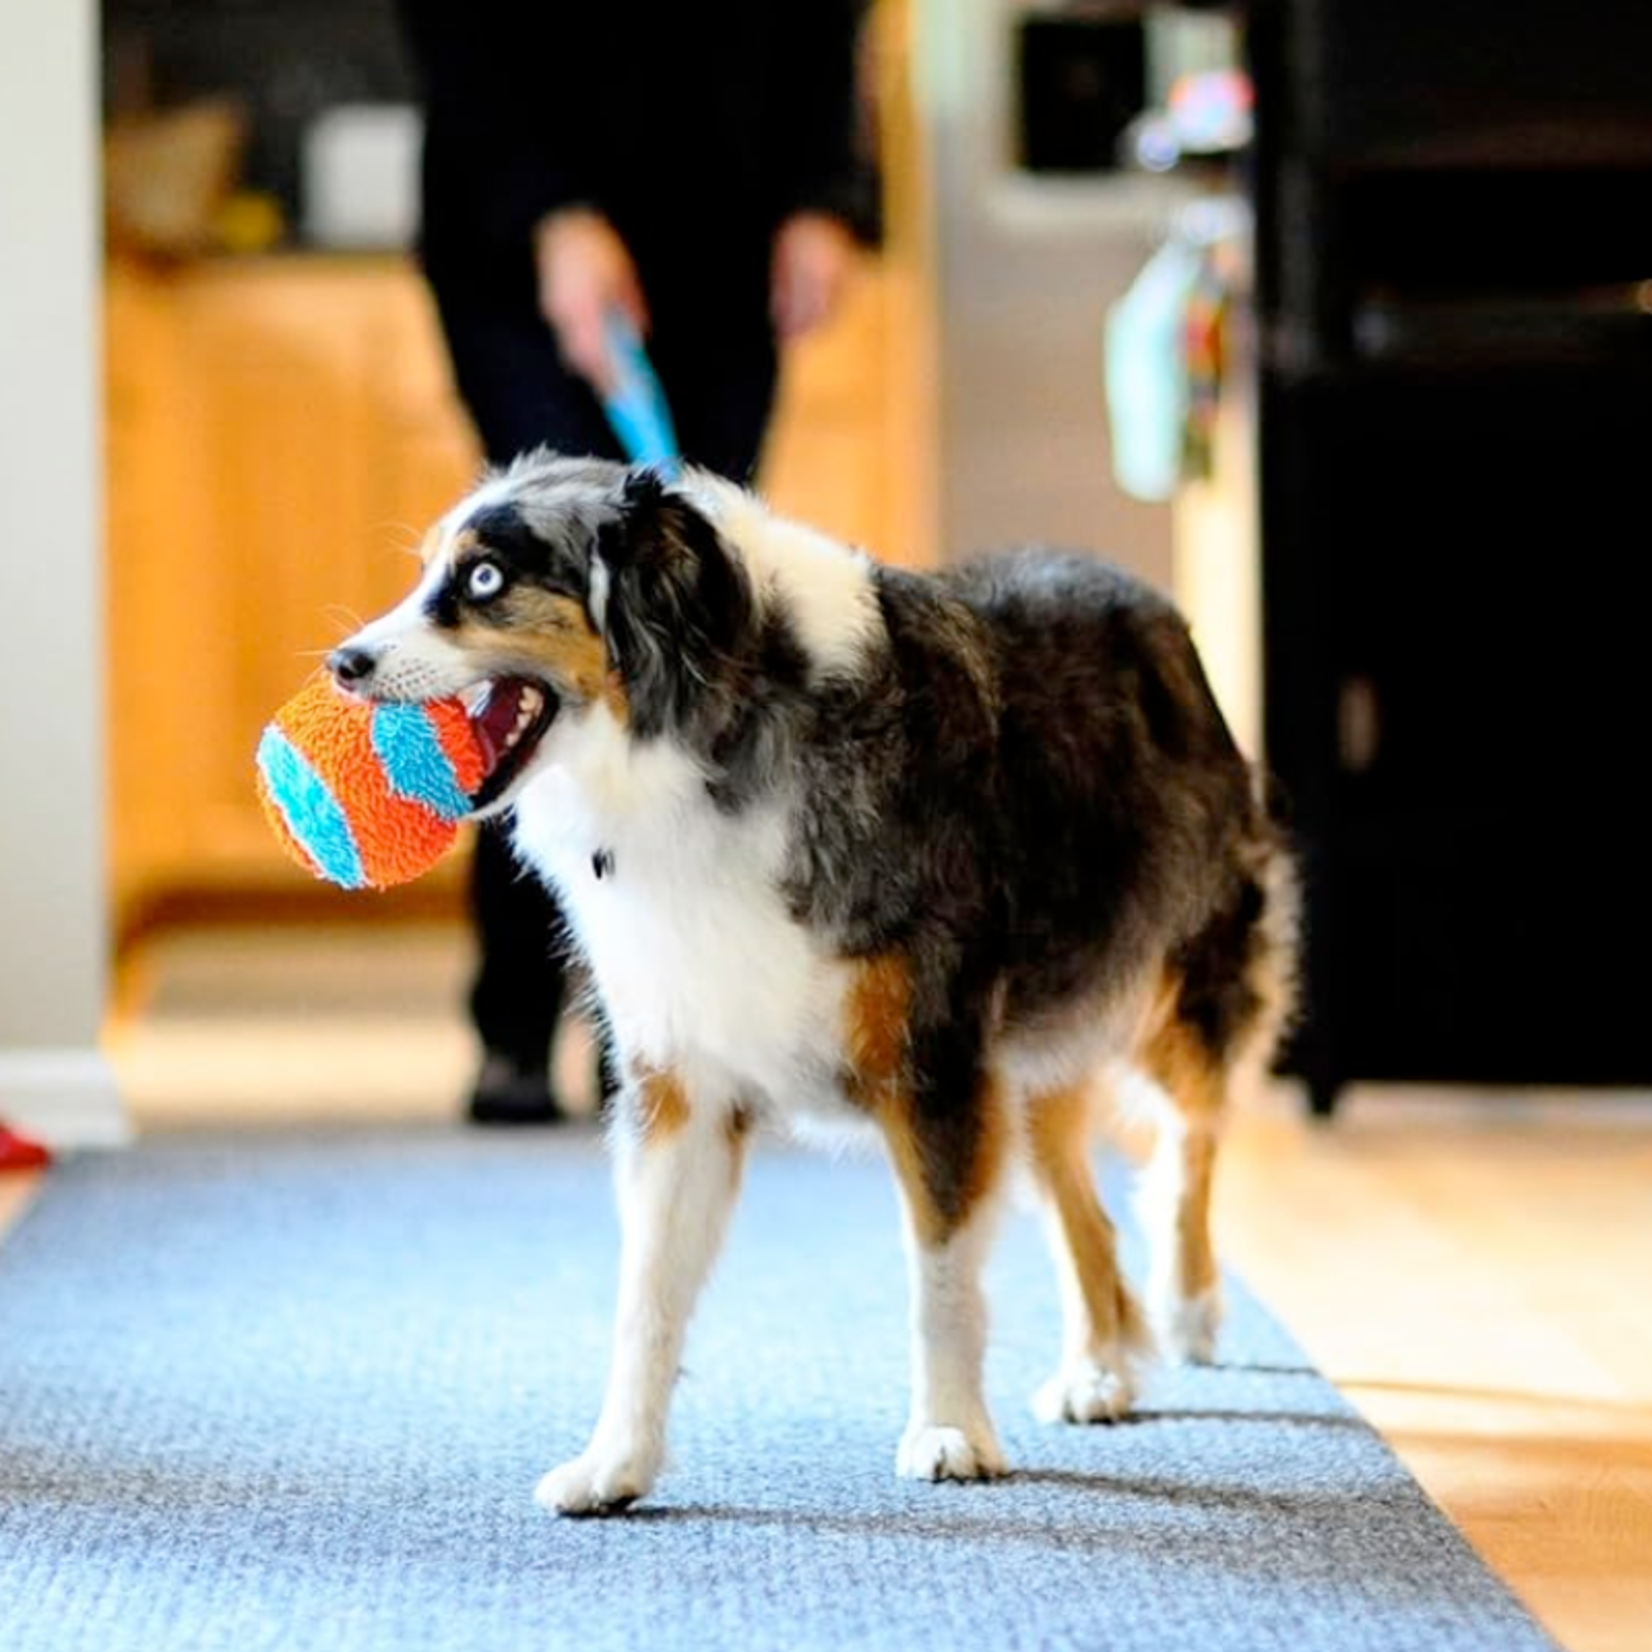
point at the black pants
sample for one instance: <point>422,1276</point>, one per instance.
<point>719,376</point>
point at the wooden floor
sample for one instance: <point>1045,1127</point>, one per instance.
<point>1474,1271</point>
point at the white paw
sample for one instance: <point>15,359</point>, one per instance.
<point>599,1482</point>
<point>1187,1329</point>
<point>1085,1391</point>
<point>929,1451</point>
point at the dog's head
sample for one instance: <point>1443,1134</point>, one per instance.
<point>562,588</point>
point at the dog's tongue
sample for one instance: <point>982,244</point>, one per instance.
<point>495,720</point>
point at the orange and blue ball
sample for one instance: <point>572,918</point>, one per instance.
<point>367,796</point>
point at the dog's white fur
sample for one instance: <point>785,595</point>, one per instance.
<point>827,585</point>
<point>674,1206</point>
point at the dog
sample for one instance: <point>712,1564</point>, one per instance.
<point>968,859</point>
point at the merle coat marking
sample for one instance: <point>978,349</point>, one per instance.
<point>966,858</point>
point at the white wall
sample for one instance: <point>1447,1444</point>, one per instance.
<point>53,906</point>
<point>1027,267</point>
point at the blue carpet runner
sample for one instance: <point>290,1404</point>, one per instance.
<point>294,1391</point>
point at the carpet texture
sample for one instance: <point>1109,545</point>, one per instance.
<point>285,1391</point>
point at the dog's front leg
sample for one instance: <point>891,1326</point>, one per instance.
<point>677,1171</point>
<point>946,1136</point>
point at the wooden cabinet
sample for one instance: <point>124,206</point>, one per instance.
<point>280,432</point>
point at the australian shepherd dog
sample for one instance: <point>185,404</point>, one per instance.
<point>968,859</point>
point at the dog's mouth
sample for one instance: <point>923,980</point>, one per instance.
<point>509,716</point>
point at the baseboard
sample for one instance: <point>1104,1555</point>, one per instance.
<point>65,1098</point>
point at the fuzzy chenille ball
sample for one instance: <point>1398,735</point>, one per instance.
<point>367,796</point>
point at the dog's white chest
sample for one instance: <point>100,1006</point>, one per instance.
<point>679,912</point>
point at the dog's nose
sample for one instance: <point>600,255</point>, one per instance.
<point>351,666</point>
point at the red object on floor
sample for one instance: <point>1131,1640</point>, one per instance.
<point>19,1153</point>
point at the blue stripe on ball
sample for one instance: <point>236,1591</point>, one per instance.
<point>311,812</point>
<point>415,765</point>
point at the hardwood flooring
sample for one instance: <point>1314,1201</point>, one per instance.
<point>1472,1271</point>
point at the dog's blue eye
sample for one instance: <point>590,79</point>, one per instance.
<point>484,581</point>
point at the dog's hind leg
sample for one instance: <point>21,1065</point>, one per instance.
<point>1185,1286</point>
<point>1104,1334</point>
<point>677,1174</point>
<point>1224,997</point>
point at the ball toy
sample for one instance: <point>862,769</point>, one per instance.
<point>367,796</point>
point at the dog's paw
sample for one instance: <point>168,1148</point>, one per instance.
<point>1187,1328</point>
<point>596,1483</point>
<point>1085,1391</point>
<point>929,1451</point>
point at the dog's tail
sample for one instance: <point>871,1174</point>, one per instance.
<point>1273,968</point>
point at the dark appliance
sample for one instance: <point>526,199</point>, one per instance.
<point>1453,243</point>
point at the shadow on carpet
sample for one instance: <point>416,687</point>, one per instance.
<point>280,1391</point>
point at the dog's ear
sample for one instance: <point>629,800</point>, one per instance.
<point>675,604</point>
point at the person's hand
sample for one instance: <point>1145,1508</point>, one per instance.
<point>814,261</point>
<point>586,270</point>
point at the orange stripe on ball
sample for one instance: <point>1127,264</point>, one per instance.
<point>457,736</point>
<point>398,839</point>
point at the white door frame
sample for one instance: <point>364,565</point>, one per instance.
<point>54,911</point>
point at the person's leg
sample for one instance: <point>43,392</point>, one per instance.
<point>519,988</point>
<point>719,375</point>
<point>512,380</point>
<point>519,395</point>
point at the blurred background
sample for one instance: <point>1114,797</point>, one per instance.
<point>271,356</point>
<point>1338,332</point>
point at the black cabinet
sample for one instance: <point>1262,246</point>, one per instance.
<point>1453,208</point>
